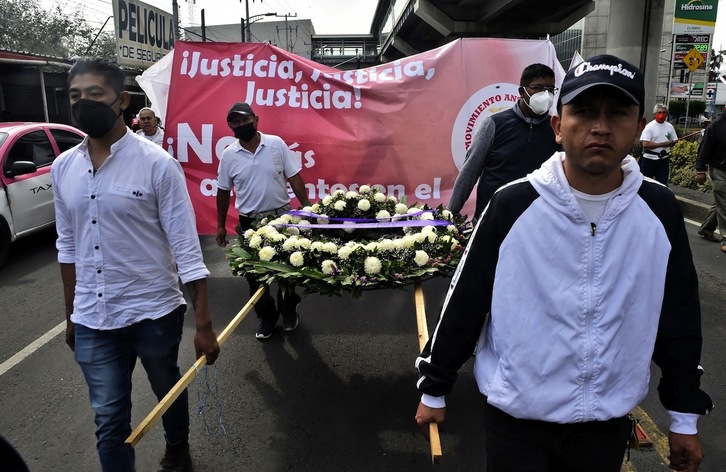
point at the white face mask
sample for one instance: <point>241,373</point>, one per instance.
<point>541,102</point>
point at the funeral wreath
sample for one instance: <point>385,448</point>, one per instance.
<point>349,242</point>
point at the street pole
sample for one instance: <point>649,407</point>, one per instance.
<point>175,16</point>
<point>247,16</point>
<point>242,30</point>
<point>688,103</point>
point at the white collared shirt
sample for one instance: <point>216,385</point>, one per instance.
<point>126,227</point>
<point>259,179</point>
<point>156,138</point>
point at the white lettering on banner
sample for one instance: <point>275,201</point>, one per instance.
<point>374,74</point>
<point>237,67</point>
<point>315,191</point>
<point>303,97</point>
<point>202,146</point>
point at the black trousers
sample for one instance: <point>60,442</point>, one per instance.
<point>515,445</point>
<point>265,306</point>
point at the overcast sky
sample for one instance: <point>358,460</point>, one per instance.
<point>328,16</point>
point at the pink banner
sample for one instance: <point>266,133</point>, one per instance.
<point>404,125</point>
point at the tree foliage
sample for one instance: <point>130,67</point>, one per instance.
<point>678,108</point>
<point>26,26</point>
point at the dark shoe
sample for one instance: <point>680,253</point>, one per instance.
<point>708,236</point>
<point>265,329</point>
<point>176,458</point>
<point>290,321</point>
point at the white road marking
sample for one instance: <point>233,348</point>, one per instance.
<point>32,347</point>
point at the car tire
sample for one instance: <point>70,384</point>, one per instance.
<point>4,243</point>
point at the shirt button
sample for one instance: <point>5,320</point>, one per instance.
<point>93,197</point>
<point>98,271</point>
<point>89,171</point>
<point>100,295</point>
<point>95,247</point>
<point>93,221</point>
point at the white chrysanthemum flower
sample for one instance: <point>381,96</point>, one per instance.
<point>255,241</point>
<point>398,244</point>
<point>297,259</point>
<point>427,216</point>
<point>249,233</point>
<point>293,231</point>
<point>364,188</point>
<point>408,241</point>
<point>352,227</point>
<point>290,244</point>
<point>447,214</point>
<point>345,252</point>
<point>451,229</point>
<point>340,205</point>
<point>412,210</point>
<point>372,265</point>
<point>267,253</point>
<point>352,244</point>
<point>421,258</point>
<point>339,193</point>
<point>304,243</point>
<point>401,209</point>
<point>419,237</point>
<point>386,245</point>
<point>383,215</point>
<point>287,219</point>
<point>371,246</point>
<point>431,237</point>
<point>351,195</point>
<point>315,208</point>
<point>327,200</point>
<point>364,205</point>
<point>428,229</point>
<point>330,247</point>
<point>263,222</point>
<point>323,221</point>
<point>454,244</point>
<point>316,246</point>
<point>277,237</point>
<point>392,198</point>
<point>445,239</point>
<point>309,209</point>
<point>379,197</point>
<point>328,267</point>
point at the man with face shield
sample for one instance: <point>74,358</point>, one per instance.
<point>657,139</point>
<point>126,235</point>
<point>510,144</point>
<point>259,166</point>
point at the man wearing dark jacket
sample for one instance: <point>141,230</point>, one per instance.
<point>712,155</point>
<point>510,144</point>
<point>564,320</point>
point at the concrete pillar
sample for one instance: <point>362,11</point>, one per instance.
<point>634,33</point>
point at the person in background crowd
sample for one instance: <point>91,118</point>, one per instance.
<point>259,166</point>
<point>149,126</point>
<point>712,158</point>
<point>657,139</point>
<point>126,235</point>
<point>135,127</point>
<point>564,324</point>
<point>510,144</point>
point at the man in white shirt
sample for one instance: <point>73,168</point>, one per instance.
<point>657,139</point>
<point>126,235</point>
<point>150,126</point>
<point>259,166</point>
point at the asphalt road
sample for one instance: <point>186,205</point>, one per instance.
<point>338,394</point>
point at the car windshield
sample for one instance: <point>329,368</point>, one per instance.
<point>3,137</point>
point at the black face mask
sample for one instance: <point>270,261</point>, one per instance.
<point>94,118</point>
<point>246,132</point>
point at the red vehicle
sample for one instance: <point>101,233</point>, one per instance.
<point>26,198</point>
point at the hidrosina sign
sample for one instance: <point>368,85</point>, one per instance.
<point>695,16</point>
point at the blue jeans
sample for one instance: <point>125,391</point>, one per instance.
<point>107,359</point>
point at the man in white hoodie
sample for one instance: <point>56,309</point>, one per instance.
<point>564,324</point>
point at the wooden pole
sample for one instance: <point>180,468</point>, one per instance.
<point>423,337</point>
<point>149,422</point>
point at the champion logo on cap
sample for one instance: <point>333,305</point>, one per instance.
<point>587,67</point>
